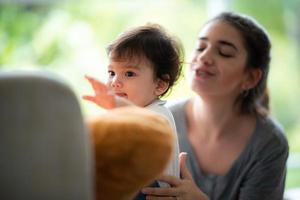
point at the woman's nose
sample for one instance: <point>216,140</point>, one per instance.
<point>116,82</point>
<point>206,57</point>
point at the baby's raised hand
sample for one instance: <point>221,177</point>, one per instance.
<point>102,97</point>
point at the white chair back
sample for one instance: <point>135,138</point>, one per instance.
<point>45,151</point>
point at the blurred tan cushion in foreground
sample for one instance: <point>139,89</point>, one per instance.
<point>132,147</point>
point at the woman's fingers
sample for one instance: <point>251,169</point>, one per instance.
<point>159,198</point>
<point>184,188</point>
<point>183,168</point>
<point>172,180</point>
<point>154,191</point>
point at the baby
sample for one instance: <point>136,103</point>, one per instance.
<point>144,64</point>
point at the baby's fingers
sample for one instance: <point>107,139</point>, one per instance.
<point>98,86</point>
<point>89,98</point>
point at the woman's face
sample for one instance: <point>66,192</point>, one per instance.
<point>219,61</point>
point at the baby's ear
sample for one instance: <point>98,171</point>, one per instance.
<point>162,85</point>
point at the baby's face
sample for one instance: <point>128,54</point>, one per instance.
<point>133,80</point>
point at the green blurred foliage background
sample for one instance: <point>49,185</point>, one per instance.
<point>69,37</point>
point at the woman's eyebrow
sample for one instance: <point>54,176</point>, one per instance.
<point>202,38</point>
<point>223,42</point>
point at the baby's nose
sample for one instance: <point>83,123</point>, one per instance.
<point>116,82</point>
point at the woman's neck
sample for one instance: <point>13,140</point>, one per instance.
<point>213,117</point>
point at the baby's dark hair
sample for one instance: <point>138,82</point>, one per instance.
<point>151,41</point>
<point>258,46</point>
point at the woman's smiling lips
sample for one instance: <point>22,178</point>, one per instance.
<point>201,73</point>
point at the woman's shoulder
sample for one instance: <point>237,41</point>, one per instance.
<point>270,134</point>
<point>273,127</point>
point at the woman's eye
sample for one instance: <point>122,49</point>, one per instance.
<point>111,73</point>
<point>225,54</point>
<point>130,74</point>
<point>200,49</point>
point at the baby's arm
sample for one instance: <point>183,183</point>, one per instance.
<point>103,97</point>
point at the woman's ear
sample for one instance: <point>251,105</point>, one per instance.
<point>252,79</point>
<point>161,85</point>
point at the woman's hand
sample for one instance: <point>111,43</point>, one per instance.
<point>102,97</point>
<point>181,189</point>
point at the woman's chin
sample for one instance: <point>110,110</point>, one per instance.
<point>200,89</point>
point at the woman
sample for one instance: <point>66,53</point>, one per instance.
<point>234,150</point>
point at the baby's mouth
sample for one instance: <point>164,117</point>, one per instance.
<point>121,94</point>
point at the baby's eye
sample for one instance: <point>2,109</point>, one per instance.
<point>130,74</point>
<point>111,73</point>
